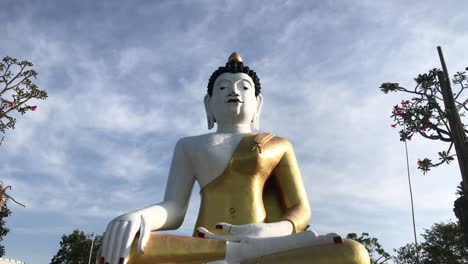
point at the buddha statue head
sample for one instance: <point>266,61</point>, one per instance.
<point>233,96</point>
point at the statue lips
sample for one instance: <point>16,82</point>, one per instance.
<point>234,101</point>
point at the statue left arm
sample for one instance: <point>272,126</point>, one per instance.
<point>291,187</point>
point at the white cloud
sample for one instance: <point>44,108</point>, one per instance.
<point>134,58</point>
<point>130,165</point>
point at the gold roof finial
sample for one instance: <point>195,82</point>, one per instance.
<point>235,57</point>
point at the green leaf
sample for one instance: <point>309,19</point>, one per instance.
<point>389,87</point>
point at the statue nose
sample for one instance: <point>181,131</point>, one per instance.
<point>234,90</point>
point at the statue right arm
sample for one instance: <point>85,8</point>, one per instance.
<point>166,215</point>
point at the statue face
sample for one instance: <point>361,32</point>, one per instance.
<point>233,100</point>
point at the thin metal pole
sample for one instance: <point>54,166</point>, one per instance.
<point>412,206</point>
<point>91,250</point>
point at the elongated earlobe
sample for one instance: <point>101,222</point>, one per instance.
<point>209,114</point>
<point>256,118</point>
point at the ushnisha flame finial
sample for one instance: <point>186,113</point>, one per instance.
<point>235,57</point>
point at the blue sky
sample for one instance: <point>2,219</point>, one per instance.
<point>126,79</point>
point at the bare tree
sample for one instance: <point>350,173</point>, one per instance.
<point>16,89</point>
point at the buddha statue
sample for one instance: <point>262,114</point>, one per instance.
<point>254,208</point>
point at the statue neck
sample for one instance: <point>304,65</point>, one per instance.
<point>233,128</point>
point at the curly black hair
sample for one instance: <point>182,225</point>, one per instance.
<point>234,67</point>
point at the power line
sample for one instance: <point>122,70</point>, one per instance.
<point>412,205</point>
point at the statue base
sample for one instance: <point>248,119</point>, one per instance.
<point>163,248</point>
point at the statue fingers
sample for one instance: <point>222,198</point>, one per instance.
<point>231,238</point>
<point>325,239</point>
<point>337,239</point>
<point>115,252</point>
<point>98,256</point>
<point>108,242</point>
<point>129,236</point>
<point>204,233</point>
<point>145,233</point>
<point>227,227</point>
<point>332,235</point>
<point>312,232</point>
<point>105,242</point>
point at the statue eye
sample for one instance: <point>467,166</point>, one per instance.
<point>222,88</point>
<point>246,88</point>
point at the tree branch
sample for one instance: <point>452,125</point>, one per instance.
<point>6,88</point>
<point>461,90</point>
<point>408,91</point>
<point>441,137</point>
<point>14,86</point>
<point>20,82</point>
<point>18,74</point>
<point>450,148</point>
<point>3,192</point>
<point>4,77</point>
<point>18,105</point>
<point>431,137</point>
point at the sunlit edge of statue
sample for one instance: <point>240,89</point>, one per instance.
<point>253,202</point>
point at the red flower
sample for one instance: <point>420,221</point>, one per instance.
<point>403,102</point>
<point>409,137</point>
<point>398,110</point>
<point>425,119</point>
<point>33,108</point>
<point>9,104</point>
<point>394,125</point>
<point>419,162</point>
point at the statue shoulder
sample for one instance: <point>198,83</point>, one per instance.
<point>264,136</point>
<point>193,143</point>
<point>194,139</point>
<point>271,141</point>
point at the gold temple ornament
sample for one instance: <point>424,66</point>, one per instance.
<point>235,57</point>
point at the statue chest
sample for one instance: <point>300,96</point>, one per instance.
<point>211,156</point>
<point>236,195</point>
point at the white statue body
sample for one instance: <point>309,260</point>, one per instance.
<point>234,106</point>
